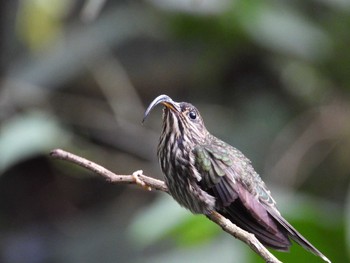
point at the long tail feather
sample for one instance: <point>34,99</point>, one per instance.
<point>275,239</point>
<point>297,237</point>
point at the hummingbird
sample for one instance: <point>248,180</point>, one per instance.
<point>204,174</point>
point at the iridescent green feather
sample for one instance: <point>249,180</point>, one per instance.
<point>213,162</point>
<point>202,159</point>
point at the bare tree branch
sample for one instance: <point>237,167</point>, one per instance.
<point>150,183</point>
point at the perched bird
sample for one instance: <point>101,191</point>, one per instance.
<point>205,174</point>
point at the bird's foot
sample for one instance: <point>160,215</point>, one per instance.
<point>136,176</point>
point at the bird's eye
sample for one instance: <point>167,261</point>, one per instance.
<point>192,115</point>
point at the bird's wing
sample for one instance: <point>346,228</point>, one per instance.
<point>213,164</point>
<point>228,175</point>
<point>220,163</point>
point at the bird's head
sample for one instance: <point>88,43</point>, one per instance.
<point>180,118</point>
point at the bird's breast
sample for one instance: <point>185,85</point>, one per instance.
<point>182,177</point>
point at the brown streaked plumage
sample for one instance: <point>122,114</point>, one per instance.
<point>205,174</point>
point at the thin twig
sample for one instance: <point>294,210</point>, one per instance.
<point>150,183</point>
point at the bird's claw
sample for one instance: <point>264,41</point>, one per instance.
<point>136,176</point>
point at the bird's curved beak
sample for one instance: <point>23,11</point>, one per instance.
<point>166,101</point>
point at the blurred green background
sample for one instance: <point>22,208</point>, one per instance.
<point>270,77</point>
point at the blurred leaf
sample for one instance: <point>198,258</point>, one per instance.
<point>195,230</point>
<point>347,223</point>
<point>28,135</point>
<point>223,250</point>
<point>192,6</point>
<point>282,29</point>
<point>167,218</point>
<point>303,80</point>
<point>156,221</point>
<point>39,21</point>
<point>342,5</point>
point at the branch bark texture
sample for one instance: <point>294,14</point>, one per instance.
<point>150,183</point>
